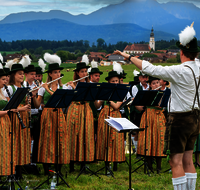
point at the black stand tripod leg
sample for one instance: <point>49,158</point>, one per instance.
<point>85,167</point>
<point>43,182</point>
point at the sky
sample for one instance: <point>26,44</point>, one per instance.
<point>74,7</point>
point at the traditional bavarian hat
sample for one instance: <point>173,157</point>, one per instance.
<point>187,41</point>
<point>54,62</point>
<point>84,64</point>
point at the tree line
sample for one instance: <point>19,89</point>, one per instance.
<point>71,50</point>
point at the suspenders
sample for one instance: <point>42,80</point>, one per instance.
<point>197,87</point>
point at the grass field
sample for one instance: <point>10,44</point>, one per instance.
<point>140,181</point>
<point>68,76</point>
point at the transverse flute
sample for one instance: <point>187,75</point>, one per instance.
<point>47,84</point>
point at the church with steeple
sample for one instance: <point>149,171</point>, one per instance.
<point>142,48</point>
<point>152,40</point>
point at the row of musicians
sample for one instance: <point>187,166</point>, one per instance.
<point>71,128</point>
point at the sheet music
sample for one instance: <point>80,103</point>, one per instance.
<point>121,124</point>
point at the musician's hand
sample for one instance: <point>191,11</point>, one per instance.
<point>34,93</point>
<point>45,85</point>
<point>25,108</point>
<point>125,55</point>
<point>42,106</point>
<point>71,84</point>
<point>14,110</point>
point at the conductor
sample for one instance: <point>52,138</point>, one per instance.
<point>184,110</point>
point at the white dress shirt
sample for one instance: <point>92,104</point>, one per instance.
<point>182,83</point>
<point>135,91</point>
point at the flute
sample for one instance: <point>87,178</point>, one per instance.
<point>47,84</point>
<point>78,79</point>
<point>18,114</point>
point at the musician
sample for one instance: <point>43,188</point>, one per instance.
<point>7,70</point>
<point>39,74</point>
<point>49,120</point>
<point>116,151</point>
<point>94,75</point>
<point>182,128</point>
<point>163,83</point>
<point>22,142</point>
<point>155,131</point>
<point>76,114</point>
<point>5,127</point>
<point>135,112</point>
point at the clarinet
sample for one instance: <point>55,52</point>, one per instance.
<point>18,114</point>
<point>29,113</point>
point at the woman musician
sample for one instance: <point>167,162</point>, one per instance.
<point>49,121</point>
<point>5,127</point>
<point>155,131</point>
<point>116,151</point>
<point>75,123</point>
<point>22,142</point>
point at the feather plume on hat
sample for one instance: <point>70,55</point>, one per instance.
<point>1,58</point>
<point>135,73</point>
<point>85,59</point>
<point>1,66</point>
<point>187,35</point>
<point>117,67</point>
<point>52,58</point>
<point>11,62</point>
<point>42,64</point>
<point>89,70</point>
<point>25,61</point>
<point>94,64</point>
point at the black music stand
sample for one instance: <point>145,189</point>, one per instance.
<point>148,98</point>
<point>130,130</point>
<point>14,102</point>
<point>111,92</point>
<point>86,92</point>
<point>60,99</point>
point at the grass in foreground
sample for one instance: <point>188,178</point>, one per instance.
<point>140,181</point>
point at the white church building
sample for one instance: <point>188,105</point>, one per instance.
<point>142,48</point>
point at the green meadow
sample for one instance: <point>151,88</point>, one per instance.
<point>68,75</point>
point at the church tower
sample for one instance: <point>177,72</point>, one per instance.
<point>152,40</point>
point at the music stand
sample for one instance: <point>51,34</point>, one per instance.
<point>14,102</point>
<point>60,99</point>
<point>147,98</point>
<point>86,92</point>
<point>111,92</point>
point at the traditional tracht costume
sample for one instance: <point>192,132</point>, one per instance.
<point>48,124</point>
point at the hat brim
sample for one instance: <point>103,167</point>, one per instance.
<point>90,73</point>
<point>109,77</point>
<point>85,67</point>
<point>28,71</point>
<point>180,46</point>
<point>58,68</point>
<point>15,70</point>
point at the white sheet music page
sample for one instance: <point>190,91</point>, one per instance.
<point>121,124</point>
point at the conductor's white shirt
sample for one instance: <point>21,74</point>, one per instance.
<point>182,83</point>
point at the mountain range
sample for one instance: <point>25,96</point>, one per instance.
<point>129,21</point>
